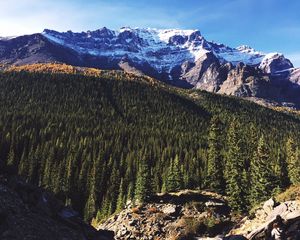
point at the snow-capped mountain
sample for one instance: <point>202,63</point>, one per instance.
<point>179,57</point>
<point>162,49</point>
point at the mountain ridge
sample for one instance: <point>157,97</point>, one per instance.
<point>183,58</point>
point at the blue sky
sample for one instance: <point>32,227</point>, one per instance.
<point>266,25</point>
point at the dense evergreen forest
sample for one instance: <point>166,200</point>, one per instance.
<point>97,142</point>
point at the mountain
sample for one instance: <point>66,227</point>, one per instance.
<point>179,57</point>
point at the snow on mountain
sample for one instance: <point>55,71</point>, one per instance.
<point>243,54</point>
<point>275,63</point>
<point>7,38</point>
<point>163,49</point>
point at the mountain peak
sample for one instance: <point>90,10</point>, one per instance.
<point>246,48</point>
<point>274,63</point>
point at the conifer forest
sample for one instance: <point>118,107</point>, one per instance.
<point>97,142</point>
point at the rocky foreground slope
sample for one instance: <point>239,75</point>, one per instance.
<point>201,215</point>
<point>181,215</point>
<point>29,213</point>
<point>179,57</point>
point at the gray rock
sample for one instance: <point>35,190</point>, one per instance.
<point>269,205</point>
<point>279,210</point>
<point>214,203</point>
<point>292,215</point>
<point>169,209</point>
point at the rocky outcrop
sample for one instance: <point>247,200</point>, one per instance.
<point>242,81</point>
<point>202,216</point>
<point>261,225</point>
<point>28,212</point>
<point>171,216</point>
<point>204,74</point>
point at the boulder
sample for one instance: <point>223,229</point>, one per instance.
<point>279,210</point>
<point>170,209</point>
<point>214,204</point>
<point>269,205</point>
<point>292,215</point>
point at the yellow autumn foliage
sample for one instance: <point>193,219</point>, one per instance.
<point>61,68</point>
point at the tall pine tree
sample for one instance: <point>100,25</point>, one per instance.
<point>174,179</point>
<point>262,176</point>
<point>234,171</point>
<point>215,180</point>
<point>143,186</point>
<point>293,160</point>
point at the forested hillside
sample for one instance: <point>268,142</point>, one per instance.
<point>97,141</point>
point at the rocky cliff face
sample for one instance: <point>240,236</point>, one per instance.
<point>179,57</point>
<point>28,212</point>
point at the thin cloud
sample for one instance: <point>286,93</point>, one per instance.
<point>63,16</point>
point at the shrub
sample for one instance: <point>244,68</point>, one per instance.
<point>153,210</point>
<point>292,193</point>
<point>192,227</point>
<point>136,210</point>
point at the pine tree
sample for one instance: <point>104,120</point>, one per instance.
<point>105,210</point>
<point>47,180</point>
<point>34,164</point>
<point>174,179</point>
<point>121,199</point>
<point>293,160</point>
<point>11,160</point>
<point>70,170</point>
<point>90,206</point>
<point>215,180</point>
<point>262,175</point>
<point>143,187</point>
<point>130,192</point>
<point>234,171</point>
<point>281,171</point>
<point>113,187</point>
<point>23,166</point>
